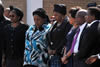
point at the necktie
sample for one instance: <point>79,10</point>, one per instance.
<point>74,40</point>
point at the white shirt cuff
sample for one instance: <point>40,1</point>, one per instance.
<point>98,56</point>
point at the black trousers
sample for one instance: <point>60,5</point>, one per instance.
<point>30,66</point>
<point>79,63</point>
<point>14,63</point>
<point>0,61</point>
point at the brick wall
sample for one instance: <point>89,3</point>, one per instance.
<point>17,3</point>
<point>48,4</point>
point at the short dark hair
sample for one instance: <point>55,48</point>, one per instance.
<point>95,12</point>
<point>92,4</point>
<point>60,8</point>
<point>11,7</point>
<point>73,11</point>
<point>40,12</point>
<point>18,13</point>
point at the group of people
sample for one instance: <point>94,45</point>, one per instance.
<point>63,41</point>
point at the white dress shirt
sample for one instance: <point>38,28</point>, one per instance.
<point>78,38</point>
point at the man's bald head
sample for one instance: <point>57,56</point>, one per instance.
<point>80,16</point>
<point>81,13</point>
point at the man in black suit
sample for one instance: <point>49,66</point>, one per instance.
<point>80,21</point>
<point>90,43</point>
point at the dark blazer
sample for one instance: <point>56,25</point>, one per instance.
<point>90,43</point>
<point>82,35</point>
<point>57,35</point>
<point>1,41</point>
<point>14,41</point>
<point>3,22</point>
<point>69,38</point>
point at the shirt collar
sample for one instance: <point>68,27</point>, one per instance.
<point>82,26</point>
<point>92,23</point>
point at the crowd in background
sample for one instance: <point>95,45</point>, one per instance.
<point>62,40</point>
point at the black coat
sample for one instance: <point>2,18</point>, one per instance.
<point>57,36</point>
<point>14,41</point>
<point>3,23</point>
<point>90,43</point>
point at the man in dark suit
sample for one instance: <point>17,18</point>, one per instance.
<point>90,43</point>
<point>80,21</point>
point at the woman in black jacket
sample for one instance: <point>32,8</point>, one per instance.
<point>56,35</point>
<point>15,39</point>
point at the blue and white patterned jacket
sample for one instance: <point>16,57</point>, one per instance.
<point>35,46</point>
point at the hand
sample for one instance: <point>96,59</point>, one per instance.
<point>51,52</point>
<point>65,50</point>
<point>3,61</point>
<point>91,59</point>
<point>54,51</point>
<point>64,60</point>
<point>69,53</point>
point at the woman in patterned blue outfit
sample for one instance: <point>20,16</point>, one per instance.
<point>35,54</point>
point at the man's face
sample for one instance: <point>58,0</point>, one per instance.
<point>6,13</point>
<point>89,18</point>
<point>79,19</point>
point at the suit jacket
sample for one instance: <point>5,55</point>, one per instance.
<point>90,43</point>
<point>69,38</point>
<point>82,35</point>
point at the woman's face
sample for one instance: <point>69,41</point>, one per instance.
<point>38,20</point>
<point>58,16</point>
<point>13,17</point>
<point>72,20</point>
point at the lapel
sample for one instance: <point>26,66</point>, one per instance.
<point>82,34</point>
<point>53,26</point>
<point>99,28</point>
<point>49,32</point>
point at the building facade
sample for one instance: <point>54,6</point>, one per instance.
<point>28,6</point>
